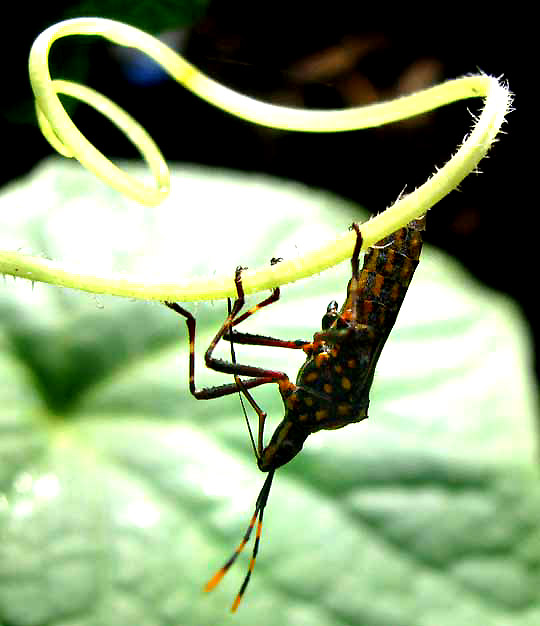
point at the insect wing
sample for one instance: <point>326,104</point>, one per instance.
<point>385,277</point>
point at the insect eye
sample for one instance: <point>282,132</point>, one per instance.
<point>332,307</point>
<point>330,316</point>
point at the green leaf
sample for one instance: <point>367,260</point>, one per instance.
<point>120,494</point>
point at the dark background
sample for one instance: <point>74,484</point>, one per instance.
<point>329,57</point>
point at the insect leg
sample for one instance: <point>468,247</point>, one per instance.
<point>354,286</point>
<point>258,376</point>
<point>273,297</point>
<point>356,252</point>
<point>206,393</point>
<point>254,339</point>
<point>261,374</point>
<point>348,322</point>
<point>232,336</point>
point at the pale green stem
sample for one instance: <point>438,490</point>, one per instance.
<point>67,139</point>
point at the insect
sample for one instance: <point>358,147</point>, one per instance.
<point>332,386</point>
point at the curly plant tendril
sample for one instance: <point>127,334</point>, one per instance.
<point>69,141</point>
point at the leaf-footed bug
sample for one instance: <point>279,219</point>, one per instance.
<point>332,386</point>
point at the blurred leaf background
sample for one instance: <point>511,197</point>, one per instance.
<point>120,494</point>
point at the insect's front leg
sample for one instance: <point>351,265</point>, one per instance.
<point>252,339</point>
<point>261,374</point>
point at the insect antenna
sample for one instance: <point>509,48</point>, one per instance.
<point>258,513</point>
<point>240,385</point>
